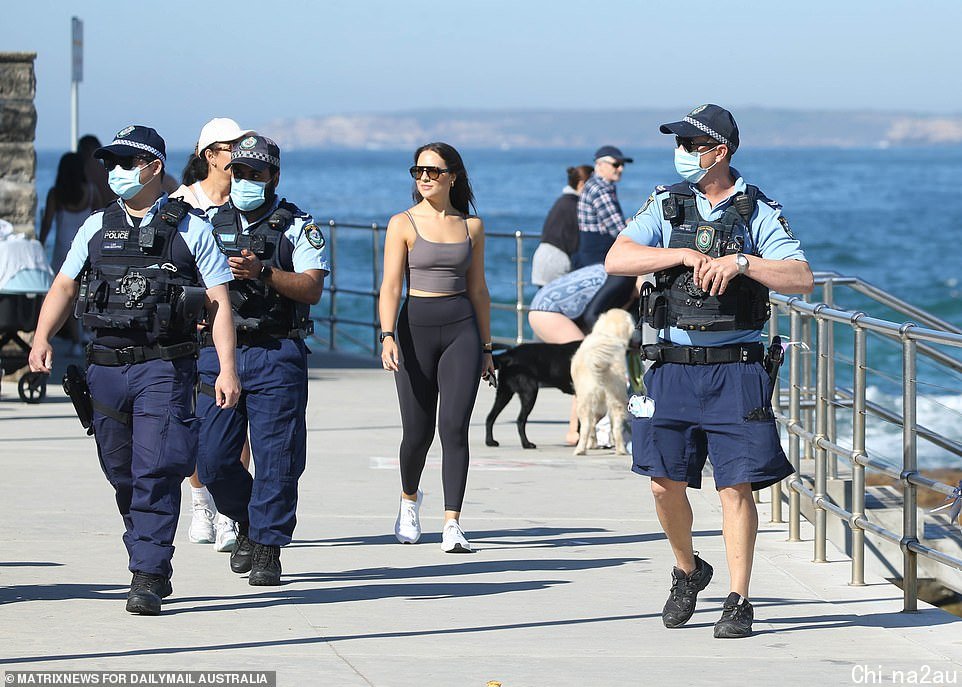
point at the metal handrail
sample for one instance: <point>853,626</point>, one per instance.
<point>813,398</point>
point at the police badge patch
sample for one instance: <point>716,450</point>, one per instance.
<point>704,238</point>
<point>784,222</point>
<point>314,235</point>
<point>124,132</point>
<point>248,143</point>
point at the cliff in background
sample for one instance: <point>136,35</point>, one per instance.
<point>761,127</point>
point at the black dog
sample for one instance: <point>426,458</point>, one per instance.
<point>523,370</point>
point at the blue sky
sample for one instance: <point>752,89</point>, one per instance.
<point>177,67</point>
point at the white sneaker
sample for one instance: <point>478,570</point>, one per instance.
<point>202,523</point>
<point>226,539</point>
<point>452,538</point>
<point>407,527</point>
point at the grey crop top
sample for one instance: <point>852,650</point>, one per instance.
<point>438,267</point>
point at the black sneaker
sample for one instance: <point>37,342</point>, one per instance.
<point>266,570</point>
<point>736,619</point>
<point>240,557</point>
<point>684,591</point>
<point>146,591</point>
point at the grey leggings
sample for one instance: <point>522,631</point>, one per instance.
<point>440,351</point>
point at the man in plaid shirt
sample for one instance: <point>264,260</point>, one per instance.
<point>600,219</point>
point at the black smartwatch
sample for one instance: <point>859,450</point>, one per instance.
<point>265,272</point>
<point>385,335</point>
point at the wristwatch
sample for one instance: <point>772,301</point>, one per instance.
<point>741,260</point>
<point>385,335</point>
<point>265,272</point>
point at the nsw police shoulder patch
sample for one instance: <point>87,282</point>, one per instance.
<point>648,202</point>
<point>705,238</point>
<point>784,222</point>
<point>314,235</point>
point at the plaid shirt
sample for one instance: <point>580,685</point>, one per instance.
<point>599,211</point>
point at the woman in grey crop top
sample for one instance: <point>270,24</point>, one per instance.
<point>440,343</point>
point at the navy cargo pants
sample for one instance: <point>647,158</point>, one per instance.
<point>147,457</point>
<point>273,404</point>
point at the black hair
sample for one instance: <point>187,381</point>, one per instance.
<point>87,144</point>
<point>71,179</point>
<point>195,170</point>
<point>578,174</point>
<point>462,197</point>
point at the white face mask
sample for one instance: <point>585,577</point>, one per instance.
<point>688,165</point>
<point>125,182</point>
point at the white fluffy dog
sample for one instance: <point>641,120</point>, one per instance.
<point>600,377</point>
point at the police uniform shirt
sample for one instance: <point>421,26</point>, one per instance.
<point>296,253</point>
<point>197,245</point>
<point>769,237</point>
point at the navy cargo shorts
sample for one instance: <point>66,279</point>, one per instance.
<point>722,412</point>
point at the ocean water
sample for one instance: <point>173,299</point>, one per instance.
<point>892,217</point>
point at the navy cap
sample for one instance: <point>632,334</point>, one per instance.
<point>257,152</point>
<point>706,120</point>
<point>134,140</point>
<point>611,151</point>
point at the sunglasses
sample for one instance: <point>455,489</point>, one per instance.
<point>127,163</point>
<point>689,144</point>
<point>434,173</point>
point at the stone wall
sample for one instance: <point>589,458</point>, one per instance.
<point>18,123</point>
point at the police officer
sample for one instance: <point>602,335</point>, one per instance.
<point>716,246</point>
<point>276,254</point>
<point>148,265</point>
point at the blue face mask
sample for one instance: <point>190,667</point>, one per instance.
<point>247,195</point>
<point>688,165</point>
<point>125,182</point>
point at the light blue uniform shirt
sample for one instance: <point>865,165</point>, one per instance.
<point>194,229</point>
<point>769,237</point>
<point>305,256</point>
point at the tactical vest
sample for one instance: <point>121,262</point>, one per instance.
<point>134,284</point>
<point>675,300</point>
<point>257,307</point>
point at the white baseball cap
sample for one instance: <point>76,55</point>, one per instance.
<point>220,130</point>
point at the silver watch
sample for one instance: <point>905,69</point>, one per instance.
<point>741,260</point>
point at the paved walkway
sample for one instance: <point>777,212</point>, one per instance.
<point>566,589</point>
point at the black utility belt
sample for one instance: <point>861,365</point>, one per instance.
<point>254,338</point>
<point>705,355</point>
<point>132,355</point>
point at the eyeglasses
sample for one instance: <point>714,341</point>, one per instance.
<point>434,173</point>
<point>127,163</point>
<point>690,146</point>
<point>617,164</point>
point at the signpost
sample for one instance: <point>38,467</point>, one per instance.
<point>76,76</point>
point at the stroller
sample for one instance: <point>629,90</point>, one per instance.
<point>25,277</point>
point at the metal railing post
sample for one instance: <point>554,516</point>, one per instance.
<point>519,283</point>
<point>808,386</point>
<point>794,412</point>
<point>375,286</point>
<point>776,490</point>
<point>828,298</point>
<point>910,532</point>
<point>821,422</point>
<point>332,324</point>
<point>859,388</point>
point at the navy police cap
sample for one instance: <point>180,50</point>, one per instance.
<point>706,120</point>
<point>135,140</point>
<point>255,151</point>
<point>611,151</point>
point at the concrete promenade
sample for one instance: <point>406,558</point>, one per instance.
<point>566,588</point>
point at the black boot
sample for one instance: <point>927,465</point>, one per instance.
<point>266,570</point>
<point>146,591</point>
<point>240,557</point>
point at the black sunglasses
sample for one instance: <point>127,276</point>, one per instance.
<point>434,173</point>
<point>127,163</point>
<point>690,146</point>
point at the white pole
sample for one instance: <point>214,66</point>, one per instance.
<point>76,76</point>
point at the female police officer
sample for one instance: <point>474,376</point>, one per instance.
<point>716,245</point>
<point>148,266</point>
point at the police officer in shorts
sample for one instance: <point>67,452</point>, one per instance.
<point>716,245</point>
<point>276,254</point>
<point>149,266</point>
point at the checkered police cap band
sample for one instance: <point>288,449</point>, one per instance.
<point>253,155</point>
<point>143,146</point>
<point>708,130</point>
